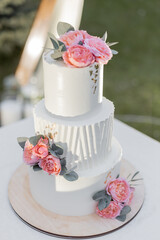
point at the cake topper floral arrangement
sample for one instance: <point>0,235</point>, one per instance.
<point>42,153</point>
<point>114,200</point>
<point>78,48</point>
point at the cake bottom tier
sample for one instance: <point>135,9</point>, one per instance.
<point>60,196</point>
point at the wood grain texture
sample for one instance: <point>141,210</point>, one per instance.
<point>38,33</point>
<point>77,227</point>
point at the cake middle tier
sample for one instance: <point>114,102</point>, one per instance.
<point>86,139</point>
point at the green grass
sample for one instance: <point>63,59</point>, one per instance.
<point>132,78</point>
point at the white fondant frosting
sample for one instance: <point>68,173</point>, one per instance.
<point>71,198</point>
<point>71,91</point>
<point>86,139</point>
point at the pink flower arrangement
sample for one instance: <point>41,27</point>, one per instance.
<point>51,165</point>
<point>78,48</point>
<point>78,56</point>
<point>41,153</point>
<point>119,189</point>
<point>112,211</point>
<point>114,201</point>
<point>92,49</point>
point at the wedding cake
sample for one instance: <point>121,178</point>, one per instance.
<point>74,152</point>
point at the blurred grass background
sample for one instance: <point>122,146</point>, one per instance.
<point>131,79</point>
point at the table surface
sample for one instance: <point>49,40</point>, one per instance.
<point>142,151</point>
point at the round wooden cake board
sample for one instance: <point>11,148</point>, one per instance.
<point>53,224</point>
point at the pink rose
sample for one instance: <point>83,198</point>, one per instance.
<point>112,211</point>
<point>51,165</point>
<point>78,56</point>
<point>28,156</point>
<point>41,149</point>
<point>131,196</point>
<point>99,48</point>
<point>74,37</point>
<point>119,189</point>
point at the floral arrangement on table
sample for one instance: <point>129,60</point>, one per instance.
<point>114,200</point>
<point>42,153</point>
<point>78,48</point>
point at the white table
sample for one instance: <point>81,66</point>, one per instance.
<point>139,149</point>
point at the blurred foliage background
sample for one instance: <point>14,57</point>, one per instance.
<point>131,79</point>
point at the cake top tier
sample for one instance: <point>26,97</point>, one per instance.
<point>73,71</point>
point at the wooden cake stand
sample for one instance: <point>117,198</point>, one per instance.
<point>53,224</point>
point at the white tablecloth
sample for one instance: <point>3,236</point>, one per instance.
<point>139,149</point>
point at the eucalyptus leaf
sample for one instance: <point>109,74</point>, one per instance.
<point>34,140</point>
<point>57,54</point>
<point>63,27</point>
<point>121,218</point>
<point>62,46</point>
<point>63,161</point>
<point>99,195</point>
<point>136,173</point>
<point>63,170</point>
<point>111,44</point>
<point>104,38</point>
<point>125,210</point>
<point>21,141</point>
<point>57,149</point>
<point>72,176</point>
<point>117,176</point>
<point>70,170</point>
<point>52,152</point>
<point>53,40</point>
<point>114,52</point>
<point>138,179</point>
<point>36,168</point>
<point>103,203</point>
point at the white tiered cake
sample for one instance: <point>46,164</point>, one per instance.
<point>75,115</point>
<point>86,139</point>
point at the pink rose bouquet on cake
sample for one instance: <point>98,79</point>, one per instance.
<point>78,48</point>
<point>114,200</point>
<point>41,153</point>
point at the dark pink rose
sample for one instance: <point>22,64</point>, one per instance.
<point>51,165</point>
<point>119,189</point>
<point>112,211</point>
<point>28,156</point>
<point>78,56</point>
<point>99,48</point>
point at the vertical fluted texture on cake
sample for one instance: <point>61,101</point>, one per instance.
<point>87,146</point>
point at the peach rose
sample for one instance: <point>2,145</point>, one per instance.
<point>74,37</point>
<point>28,156</point>
<point>99,48</point>
<point>131,196</point>
<point>119,189</point>
<point>112,211</point>
<point>78,56</point>
<point>51,165</point>
<point>41,149</point>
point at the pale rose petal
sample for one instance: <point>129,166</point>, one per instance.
<point>112,211</point>
<point>99,48</point>
<point>28,156</point>
<point>41,149</point>
<point>51,165</point>
<point>78,56</point>
<point>119,189</point>
<point>74,37</point>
